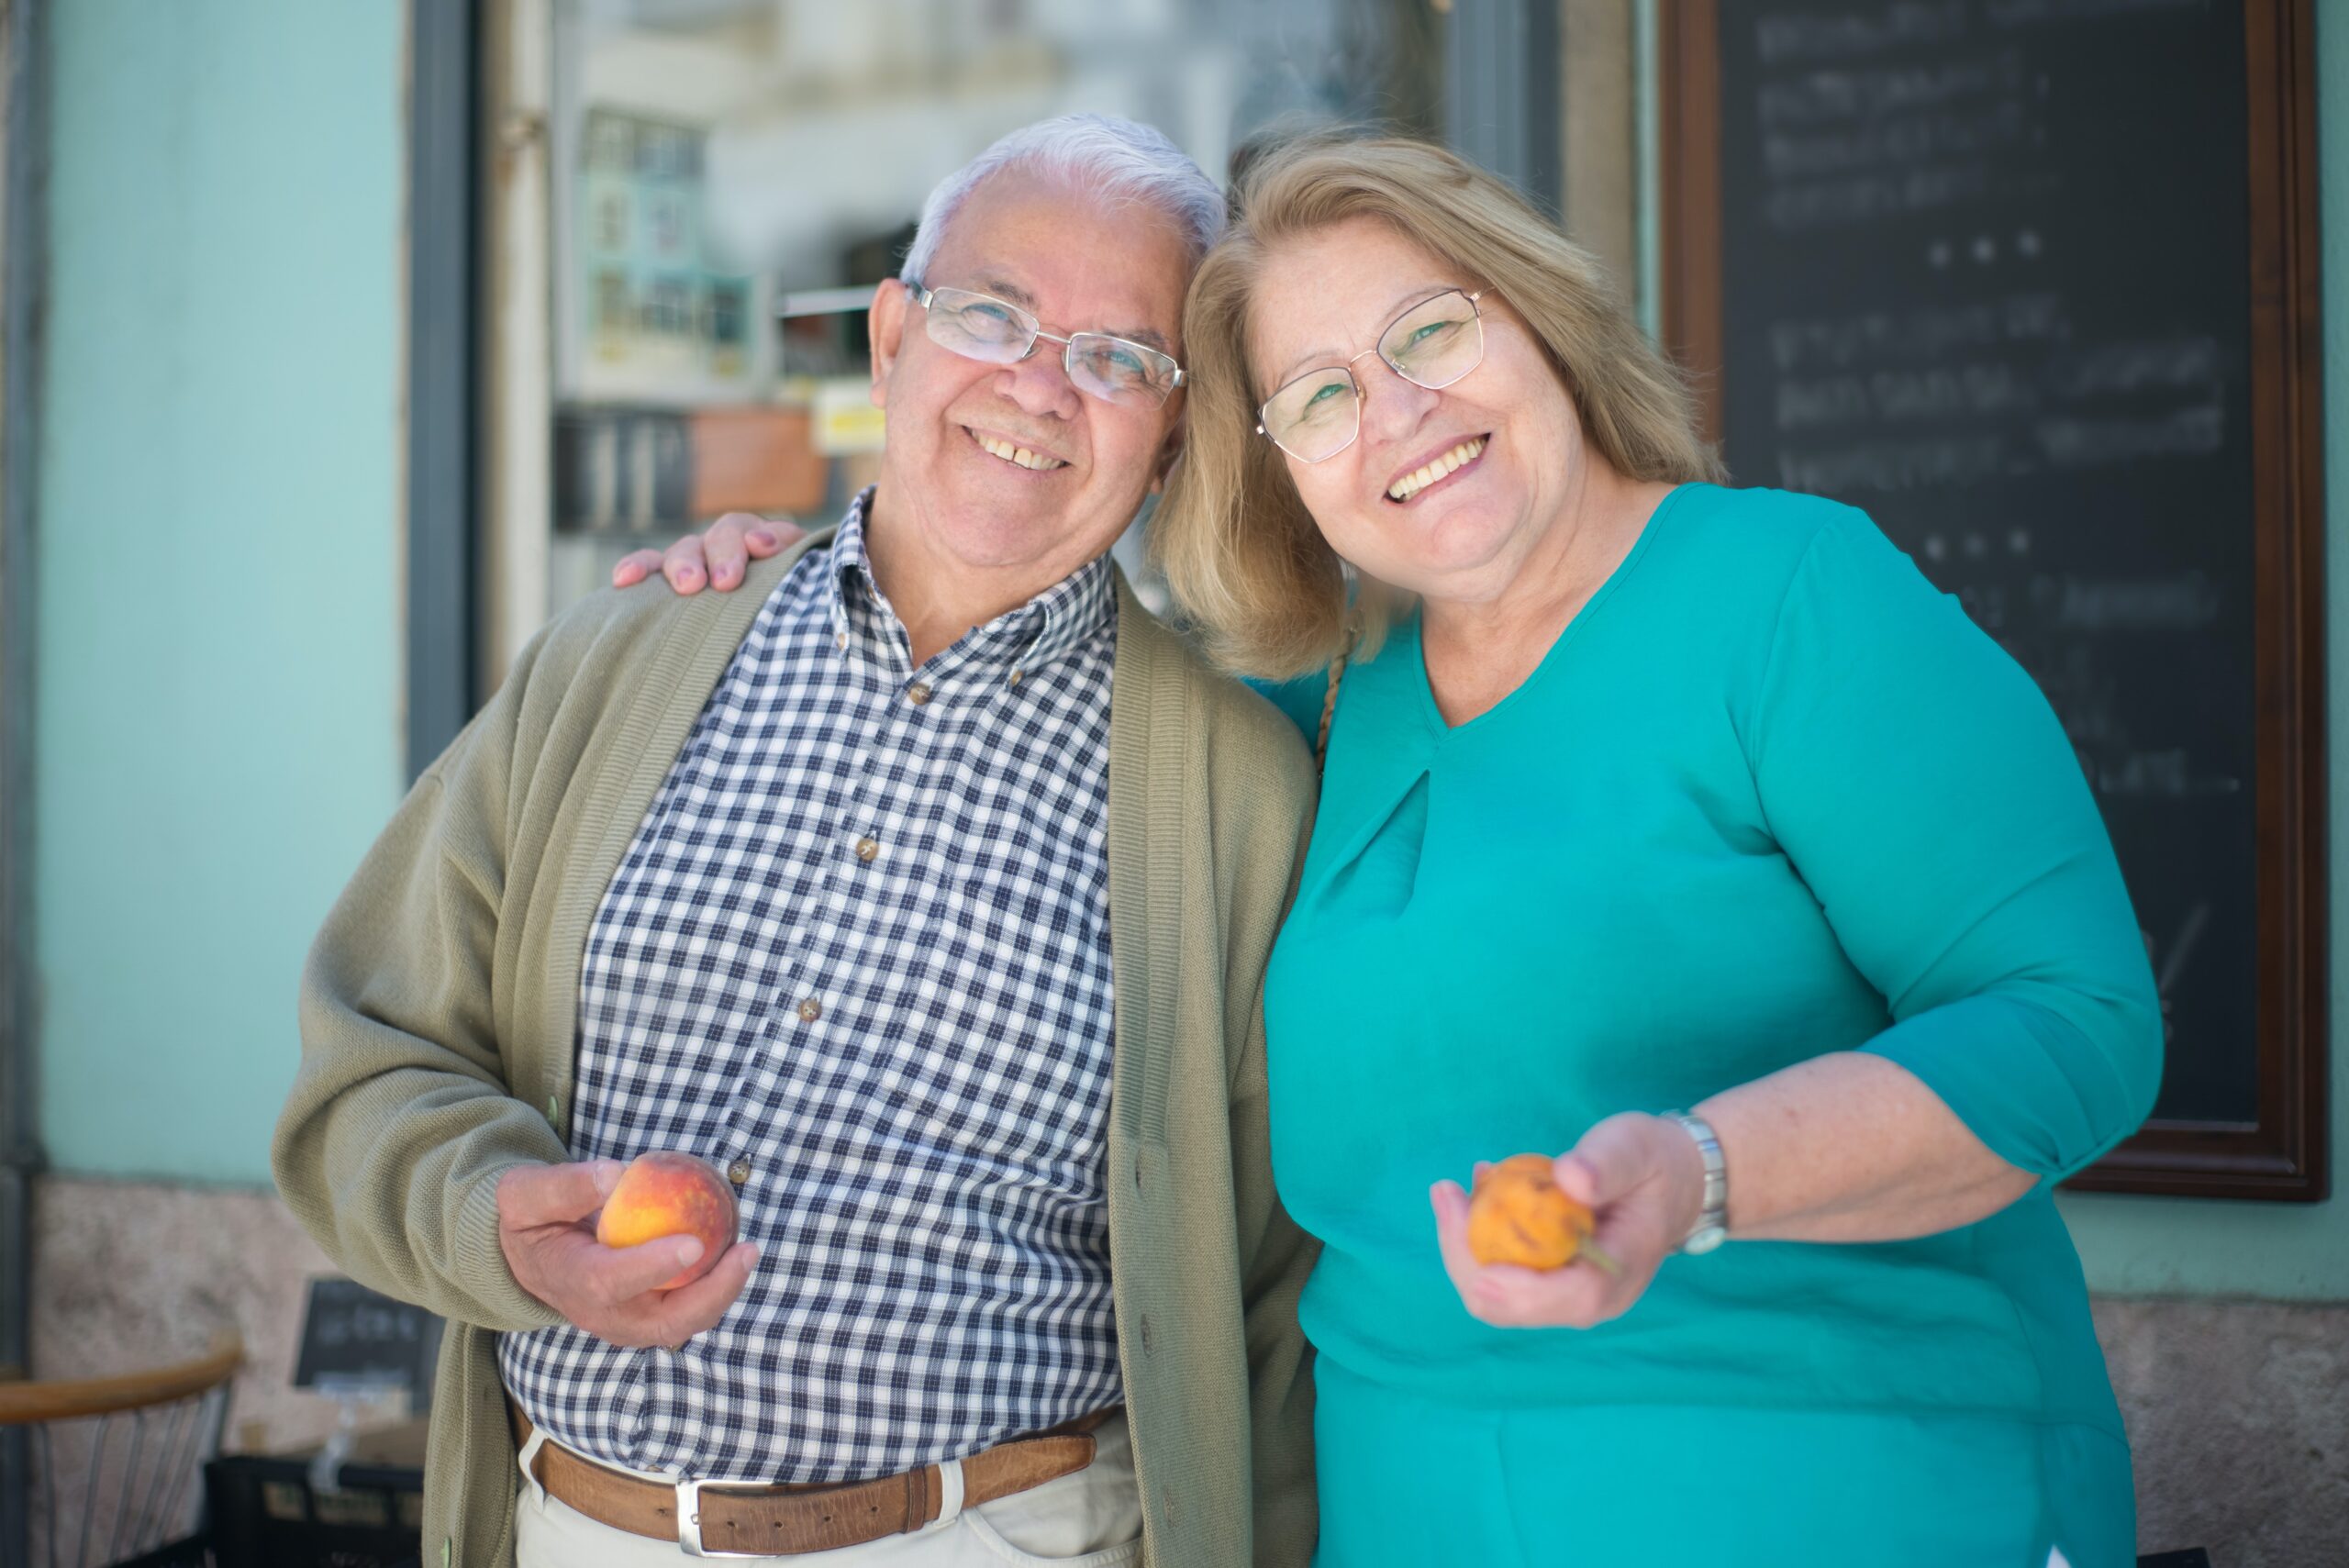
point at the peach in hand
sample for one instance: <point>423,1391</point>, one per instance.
<point>666,1193</point>
<point>1518,1215</point>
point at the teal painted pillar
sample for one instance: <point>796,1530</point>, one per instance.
<point>218,681</point>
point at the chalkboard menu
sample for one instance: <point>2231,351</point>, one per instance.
<point>2034,283</point>
<point>354,1338</point>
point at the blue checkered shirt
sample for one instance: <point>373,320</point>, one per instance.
<point>858,954</point>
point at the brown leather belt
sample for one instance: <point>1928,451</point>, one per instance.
<point>719,1520</point>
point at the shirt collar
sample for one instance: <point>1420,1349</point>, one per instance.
<point>1048,627</point>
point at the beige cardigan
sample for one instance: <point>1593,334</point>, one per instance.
<point>438,1029</point>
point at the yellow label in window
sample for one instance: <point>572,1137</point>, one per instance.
<point>845,420</point>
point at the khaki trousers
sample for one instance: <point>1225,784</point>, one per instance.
<point>1090,1520</point>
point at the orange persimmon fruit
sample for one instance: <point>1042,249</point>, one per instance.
<point>1518,1214</point>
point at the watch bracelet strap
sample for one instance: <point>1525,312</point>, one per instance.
<point>1712,1214</point>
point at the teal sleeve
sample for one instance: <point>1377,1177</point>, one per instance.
<point>1301,699</point>
<point>1921,786</point>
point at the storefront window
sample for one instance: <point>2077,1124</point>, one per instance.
<point>727,180</point>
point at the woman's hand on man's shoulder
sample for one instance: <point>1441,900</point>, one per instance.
<point>718,556</point>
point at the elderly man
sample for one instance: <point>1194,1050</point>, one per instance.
<point>925,890</point>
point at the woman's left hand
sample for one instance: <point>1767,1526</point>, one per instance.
<point>719,554</point>
<point>1644,1181</point>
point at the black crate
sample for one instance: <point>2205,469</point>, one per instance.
<point>264,1515</point>
<point>192,1552</point>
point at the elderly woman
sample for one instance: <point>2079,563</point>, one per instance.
<point>1684,834</point>
<point>1689,832</point>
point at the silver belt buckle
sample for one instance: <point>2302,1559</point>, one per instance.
<point>689,1524</point>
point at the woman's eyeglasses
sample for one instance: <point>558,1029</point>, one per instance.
<point>993,331</point>
<point>1432,344</point>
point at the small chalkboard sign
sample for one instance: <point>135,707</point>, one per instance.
<point>355,1339</point>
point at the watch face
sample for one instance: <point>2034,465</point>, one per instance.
<point>1705,1240</point>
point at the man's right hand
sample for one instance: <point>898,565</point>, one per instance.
<point>718,556</point>
<point>612,1292</point>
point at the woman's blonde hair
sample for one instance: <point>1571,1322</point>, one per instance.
<point>1246,564</point>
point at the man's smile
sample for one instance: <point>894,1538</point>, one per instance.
<point>1011,452</point>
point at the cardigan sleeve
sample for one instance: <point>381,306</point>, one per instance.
<point>1919,782</point>
<point>401,1119</point>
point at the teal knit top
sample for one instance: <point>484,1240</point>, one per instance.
<point>1770,794</point>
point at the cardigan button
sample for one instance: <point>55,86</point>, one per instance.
<point>1147,1345</point>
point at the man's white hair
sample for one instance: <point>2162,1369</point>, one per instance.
<point>1101,159</point>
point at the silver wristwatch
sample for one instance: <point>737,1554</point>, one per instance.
<point>1713,1218</point>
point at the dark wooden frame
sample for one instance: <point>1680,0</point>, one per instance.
<point>24,310</point>
<point>443,378</point>
<point>2283,1156</point>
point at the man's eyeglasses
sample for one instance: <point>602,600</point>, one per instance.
<point>1432,344</point>
<point>1115,369</point>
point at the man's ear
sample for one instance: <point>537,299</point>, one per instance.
<point>885,332</point>
<point>1170,452</point>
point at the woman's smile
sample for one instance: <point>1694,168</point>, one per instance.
<point>1437,471</point>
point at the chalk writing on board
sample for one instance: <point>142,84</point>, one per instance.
<point>2185,602</point>
<point>1798,38</point>
<point>2041,13</point>
<point>1921,334</point>
<point>2028,395</point>
<point>365,1323</point>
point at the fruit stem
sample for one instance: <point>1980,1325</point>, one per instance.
<point>1600,1259</point>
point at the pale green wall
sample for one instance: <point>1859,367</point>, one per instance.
<point>2138,1246</point>
<point>220,661</point>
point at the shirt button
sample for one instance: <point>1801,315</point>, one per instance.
<point>839,641</point>
<point>918,694</point>
<point>739,1171</point>
<point>810,1010</point>
<point>1015,677</point>
<point>866,849</point>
